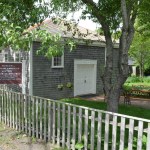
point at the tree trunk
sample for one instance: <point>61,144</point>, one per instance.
<point>113,100</point>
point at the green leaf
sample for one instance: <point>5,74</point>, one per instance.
<point>79,146</point>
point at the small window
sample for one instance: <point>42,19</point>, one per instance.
<point>5,57</point>
<point>58,61</point>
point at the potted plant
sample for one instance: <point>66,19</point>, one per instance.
<point>69,85</point>
<point>60,86</point>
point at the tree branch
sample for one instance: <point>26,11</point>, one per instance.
<point>124,15</point>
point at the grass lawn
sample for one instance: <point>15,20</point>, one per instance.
<point>123,109</point>
<point>138,83</point>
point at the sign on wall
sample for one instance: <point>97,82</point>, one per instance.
<point>10,73</point>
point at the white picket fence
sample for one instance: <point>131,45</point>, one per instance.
<point>67,124</point>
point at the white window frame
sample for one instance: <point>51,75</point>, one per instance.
<point>62,62</point>
<point>4,58</point>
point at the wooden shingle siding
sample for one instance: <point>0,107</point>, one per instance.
<point>46,79</point>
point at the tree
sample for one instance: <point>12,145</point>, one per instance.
<point>140,51</point>
<point>140,48</point>
<point>113,16</point>
<point>15,17</point>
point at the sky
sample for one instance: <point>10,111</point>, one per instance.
<point>84,23</point>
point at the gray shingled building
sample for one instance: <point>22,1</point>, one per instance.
<point>72,74</point>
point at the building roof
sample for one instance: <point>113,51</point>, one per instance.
<point>68,30</point>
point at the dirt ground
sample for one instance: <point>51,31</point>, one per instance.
<point>11,139</point>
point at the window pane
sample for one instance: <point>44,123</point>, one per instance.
<point>57,61</point>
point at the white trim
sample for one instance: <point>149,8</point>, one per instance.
<point>62,62</point>
<point>4,58</point>
<point>24,76</point>
<point>85,61</point>
<point>31,70</point>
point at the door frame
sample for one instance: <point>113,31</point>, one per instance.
<point>85,62</point>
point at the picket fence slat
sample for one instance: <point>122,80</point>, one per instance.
<point>99,131</point>
<point>45,123</point>
<point>68,129</point>
<point>58,124</point>
<point>19,111</point>
<point>1,96</point>
<point>80,125</point>
<point>7,111</point>
<point>13,110</point>
<point>122,133</point>
<point>148,137</point>
<point>54,113</point>
<point>33,116</point>
<point>140,135</point>
<point>106,140</point>
<point>29,114</point>
<point>49,121</point>
<point>92,129</point>
<point>5,107</point>
<point>41,119</point>
<point>86,129</point>
<point>22,112</point>
<point>37,117</point>
<point>114,133</point>
<point>16,122</point>
<point>131,132</point>
<point>65,124</point>
<point>26,120</point>
<point>74,128</point>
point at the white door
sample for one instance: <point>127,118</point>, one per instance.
<point>85,77</point>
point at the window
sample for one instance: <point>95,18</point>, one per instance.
<point>58,61</point>
<point>6,57</point>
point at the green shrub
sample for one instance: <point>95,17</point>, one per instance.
<point>146,79</point>
<point>134,79</point>
<point>127,87</point>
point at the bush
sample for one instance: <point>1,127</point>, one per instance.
<point>127,87</point>
<point>134,79</point>
<point>146,79</point>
